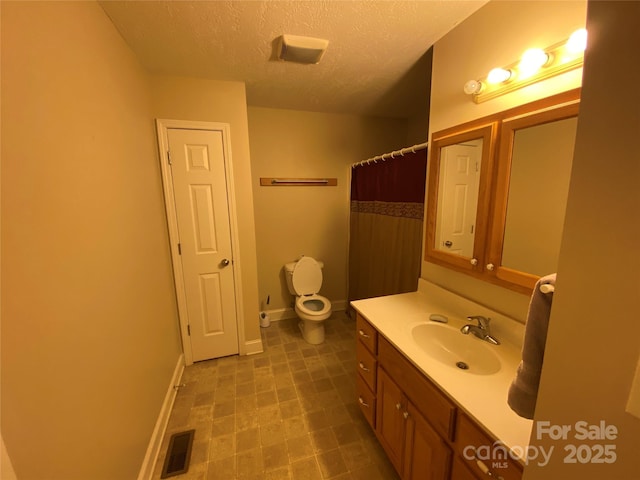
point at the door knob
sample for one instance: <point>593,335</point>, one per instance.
<point>224,262</point>
<point>448,243</point>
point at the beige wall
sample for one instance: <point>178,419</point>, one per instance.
<point>180,98</point>
<point>495,35</point>
<point>314,221</point>
<point>592,348</point>
<point>89,325</point>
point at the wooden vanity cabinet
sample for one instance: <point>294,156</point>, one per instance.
<point>421,429</point>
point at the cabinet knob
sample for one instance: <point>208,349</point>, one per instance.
<point>473,261</point>
<point>361,365</point>
<point>484,469</point>
<point>398,406</point>
<point>405,415</point>
<point>362,402</point>
<point>490,266</point>
<point>362,334</point>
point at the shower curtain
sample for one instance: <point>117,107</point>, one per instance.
<point>387,211</point>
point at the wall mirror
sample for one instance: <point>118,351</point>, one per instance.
<point>519,193</point>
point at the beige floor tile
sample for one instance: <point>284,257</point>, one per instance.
<point>222,469</point>
<point>249,464</point>
<point>275,456</point>
<point>306,469</point>
<point>331,463</point>
<point>300,447</point>
<point>247,439</point>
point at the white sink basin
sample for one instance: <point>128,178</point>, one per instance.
<point>449,346</point>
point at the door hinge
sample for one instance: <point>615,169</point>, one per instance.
<point>179,249</point>
<point>189,330</point>
<point>169,156</point>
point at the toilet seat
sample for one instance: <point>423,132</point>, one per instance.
<point>317,307</point>
<point>307,277</point>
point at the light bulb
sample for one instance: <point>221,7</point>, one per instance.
<point>498,75</point>
<point>532,60</point>
<point>473,87</point>
<point>577,42</point>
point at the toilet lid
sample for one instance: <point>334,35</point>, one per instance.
<point>307,276</point>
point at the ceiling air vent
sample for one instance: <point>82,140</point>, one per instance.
<point>293,48</point>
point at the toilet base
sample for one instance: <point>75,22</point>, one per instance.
<point>312,331</point>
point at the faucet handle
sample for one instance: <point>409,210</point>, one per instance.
<point>483,321</point>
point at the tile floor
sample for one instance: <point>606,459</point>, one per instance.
<point>287,413</point>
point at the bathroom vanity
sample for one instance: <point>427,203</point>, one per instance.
<point>437,420</point>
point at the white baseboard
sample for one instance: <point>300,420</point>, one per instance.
<point>252,347</point>
<point>287,313</point>
<point>153,450</point>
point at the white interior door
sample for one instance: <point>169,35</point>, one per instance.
<point>204,264</point>
<point>458,202</point>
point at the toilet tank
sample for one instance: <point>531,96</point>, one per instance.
<point>288,273</point>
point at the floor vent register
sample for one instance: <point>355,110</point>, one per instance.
<point>178,454</point>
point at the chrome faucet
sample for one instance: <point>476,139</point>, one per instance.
<point>481,330</point>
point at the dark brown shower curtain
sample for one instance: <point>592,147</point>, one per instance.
<point>387,211</point>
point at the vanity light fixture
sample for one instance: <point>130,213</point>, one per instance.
<point>535,65</point>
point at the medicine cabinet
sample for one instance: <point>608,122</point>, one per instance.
<point>497,192</point>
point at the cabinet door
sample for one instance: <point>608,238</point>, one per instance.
<point>427,457</point>
<point>460,472</point>
<point>390,422</point>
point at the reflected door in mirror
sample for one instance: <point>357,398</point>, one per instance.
<point>458,197</point>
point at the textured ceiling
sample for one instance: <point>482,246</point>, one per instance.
<point>375,63</point>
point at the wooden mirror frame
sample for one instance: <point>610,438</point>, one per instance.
<point>494,187</point>
<point>440,140</point>
<point>509,127</point>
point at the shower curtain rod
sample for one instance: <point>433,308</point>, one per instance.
<point>393,154</point>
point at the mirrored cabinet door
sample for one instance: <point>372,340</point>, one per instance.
<point>459,175</point>
<point>531,189</point>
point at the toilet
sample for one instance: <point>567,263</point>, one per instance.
<point>304,279</point>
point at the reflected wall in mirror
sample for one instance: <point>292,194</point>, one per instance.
<point>458,187</point>
<point>513,236</point>
<point>537,200</point>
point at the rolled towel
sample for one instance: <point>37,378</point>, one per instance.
<point>523,391</point>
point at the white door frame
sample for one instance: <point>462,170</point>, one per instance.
<point>163,125</point>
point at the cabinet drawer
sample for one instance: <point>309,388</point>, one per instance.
<point>366,334</point>
<point>469,436</point>
<point>432,404</point>
<point>366,365</point>
<point>366,401</point>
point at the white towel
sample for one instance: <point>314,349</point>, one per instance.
<point>523,391</point>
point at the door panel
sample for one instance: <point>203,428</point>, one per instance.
<point>202,212</point>
<point>390,424</point>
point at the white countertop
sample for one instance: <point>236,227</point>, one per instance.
<point>483,397</point>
